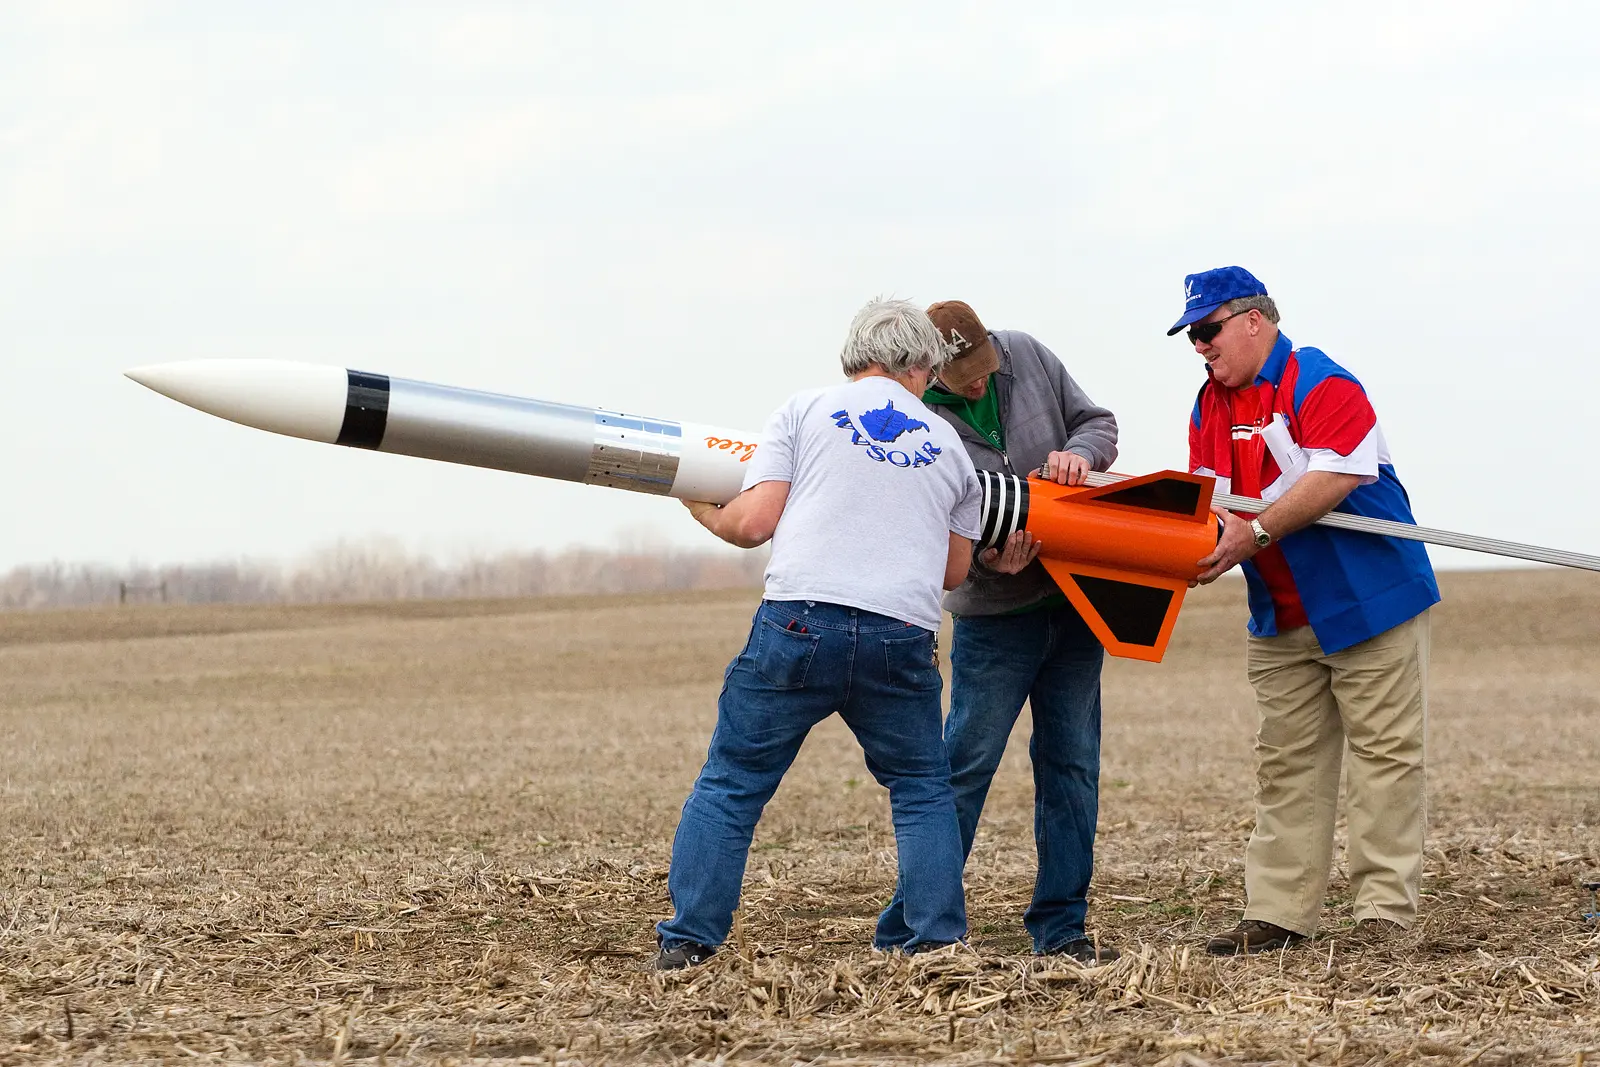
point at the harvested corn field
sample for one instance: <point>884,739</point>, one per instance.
<point>438,832</point>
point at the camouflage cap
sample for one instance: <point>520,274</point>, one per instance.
<point>971,351</point>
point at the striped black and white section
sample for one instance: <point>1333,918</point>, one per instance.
<point>1005,507</point>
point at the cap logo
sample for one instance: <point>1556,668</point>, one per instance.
<point>957,344</point>
<point>1189,295</point>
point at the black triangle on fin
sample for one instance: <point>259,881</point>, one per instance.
<point>1133,613</point>
<point>1168,495</point>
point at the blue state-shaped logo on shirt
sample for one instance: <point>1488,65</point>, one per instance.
<point>886,425</point>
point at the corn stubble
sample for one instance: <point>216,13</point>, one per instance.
<point>439,833</point>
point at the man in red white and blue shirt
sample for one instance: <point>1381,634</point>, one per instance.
<point>1338,644</point>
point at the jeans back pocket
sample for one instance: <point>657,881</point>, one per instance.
<point>909,661</point>
<point>783,657</point>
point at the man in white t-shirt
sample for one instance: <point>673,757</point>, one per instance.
<point>872,506</point>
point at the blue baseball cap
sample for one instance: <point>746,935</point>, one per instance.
<point>1203,293</point>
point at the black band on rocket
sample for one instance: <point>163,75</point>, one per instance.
<point>1020,516</point>
<point>366,410</point>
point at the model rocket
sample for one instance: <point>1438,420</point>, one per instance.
<point>1123,550</point>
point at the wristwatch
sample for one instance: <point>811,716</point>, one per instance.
<point>1263,539</point>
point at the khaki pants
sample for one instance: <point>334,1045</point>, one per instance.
<point>1372,697</point>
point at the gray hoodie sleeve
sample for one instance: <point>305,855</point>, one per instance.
<point>1044,411</point>
<point>1091,429</point>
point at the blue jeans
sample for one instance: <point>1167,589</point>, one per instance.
<point>1051,659</point>
<point>804,661</point>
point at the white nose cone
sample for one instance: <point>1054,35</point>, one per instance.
<point>298,399</point>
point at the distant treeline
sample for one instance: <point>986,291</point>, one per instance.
<point>382,571</point>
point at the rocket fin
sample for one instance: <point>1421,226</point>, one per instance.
<point>1173,494</point>
<point>1132,614</point>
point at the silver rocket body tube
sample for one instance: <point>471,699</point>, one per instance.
<point>531,437</point>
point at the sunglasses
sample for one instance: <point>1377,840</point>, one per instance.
<point>1203,333</point>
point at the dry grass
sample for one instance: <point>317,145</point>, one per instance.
<point>424,832</point>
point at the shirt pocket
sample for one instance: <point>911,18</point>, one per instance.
<point>908,662</point>
<point>783,657</point>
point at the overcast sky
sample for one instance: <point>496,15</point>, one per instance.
<point>674,210</point>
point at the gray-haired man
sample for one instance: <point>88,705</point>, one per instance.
<point>872,506</point>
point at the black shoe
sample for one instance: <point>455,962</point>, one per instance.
<point>1252,936</point>
<point>689,955</point>
<point>928,946</point>
<point>1086,952</point>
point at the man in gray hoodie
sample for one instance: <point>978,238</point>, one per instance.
<point>1017,638</point>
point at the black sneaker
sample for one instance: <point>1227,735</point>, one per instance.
<point>686,955</point>
<point>1086,952</point>
<point>927,946</point>
<point>1252,936</point>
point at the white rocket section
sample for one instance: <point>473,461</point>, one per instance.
<point>713,462</point>
<point>296,399</point>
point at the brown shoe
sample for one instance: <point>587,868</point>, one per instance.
<point>1252,936</point>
